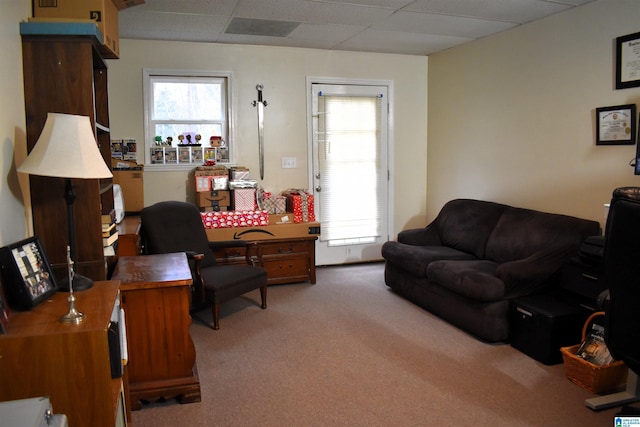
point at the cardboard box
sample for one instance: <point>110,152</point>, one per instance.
<point>270,232</point>
<point>132,184</point>
<point>215,209</point>
<point>103,12</point>
<point>214,198</point>
<point>125,4</point>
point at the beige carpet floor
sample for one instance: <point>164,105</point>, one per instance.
<point>347,351</point>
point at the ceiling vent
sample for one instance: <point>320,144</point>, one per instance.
<point>261,27</point>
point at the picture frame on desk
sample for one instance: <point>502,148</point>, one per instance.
<point>26,274</point>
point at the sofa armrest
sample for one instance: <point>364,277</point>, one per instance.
<point>426,236</point>
<point>534,273</point>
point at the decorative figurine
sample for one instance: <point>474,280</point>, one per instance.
<point>169,140</point>
<point>215,141</point>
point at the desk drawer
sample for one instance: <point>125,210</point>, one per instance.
<point>286,269</point>
<point>285,248</point>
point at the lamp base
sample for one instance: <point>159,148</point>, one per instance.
<point>80,283</point>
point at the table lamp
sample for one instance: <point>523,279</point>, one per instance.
<point>67,148</point>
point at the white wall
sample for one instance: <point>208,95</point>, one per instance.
<point>512,116</point>
<point>13,223</point>
<point>283,72</point>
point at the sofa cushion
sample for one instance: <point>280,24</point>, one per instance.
<point>415,259</point>
<point>467,224</point>
<point>521,233</point>
<point>475,279</point>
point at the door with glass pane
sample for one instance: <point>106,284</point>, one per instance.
<point>350,178</point>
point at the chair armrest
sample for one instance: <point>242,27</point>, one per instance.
<point>195,258</point>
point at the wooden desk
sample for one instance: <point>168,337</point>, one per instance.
<point>70,363</point>
<point>155,293</point>
<point>287,260</point>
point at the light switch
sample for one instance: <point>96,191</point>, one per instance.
<point>289,163</point>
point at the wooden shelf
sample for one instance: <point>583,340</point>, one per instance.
<point>68,74</point>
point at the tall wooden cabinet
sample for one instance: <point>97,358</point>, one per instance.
<point>67,74</point>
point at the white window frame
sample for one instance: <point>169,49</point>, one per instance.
<point>149,134</point>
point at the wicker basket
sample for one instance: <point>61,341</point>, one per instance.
<point>598,379</point>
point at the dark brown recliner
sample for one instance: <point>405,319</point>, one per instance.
<point>173,226</point>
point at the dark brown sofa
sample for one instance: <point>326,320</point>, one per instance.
<point>477,255</point>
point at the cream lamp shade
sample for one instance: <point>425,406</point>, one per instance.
<point>66,148</point>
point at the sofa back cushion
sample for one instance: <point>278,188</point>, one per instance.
<point>521,233</point>
<point>466,224</point>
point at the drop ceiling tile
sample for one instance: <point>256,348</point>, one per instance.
<point>403,43</point>
<point>388,4</point>
<point>311,12</point>
<point>456,26</point>
<point>325,33</point>
<point>203,7</point>
<point>517,11</point>
<point>169,26</point>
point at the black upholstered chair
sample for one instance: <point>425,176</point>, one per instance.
<point>622,275</point>
<point>173,226</point>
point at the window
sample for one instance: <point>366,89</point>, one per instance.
<point>187,118</point>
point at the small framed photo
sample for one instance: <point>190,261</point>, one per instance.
<point>616,125</point>
<point>628,61</point>
<point>26,274</point>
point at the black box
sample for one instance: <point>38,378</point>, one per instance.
<point>541,324</point>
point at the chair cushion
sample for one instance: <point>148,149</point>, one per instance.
<point>476,279</point>
<point>415,259</point>
<point>224,282</point>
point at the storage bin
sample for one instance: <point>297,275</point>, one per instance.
<point>541,324</point>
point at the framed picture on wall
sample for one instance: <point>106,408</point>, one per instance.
<point>628,61</point>
<point>616,125</point>
<point>26,274</point>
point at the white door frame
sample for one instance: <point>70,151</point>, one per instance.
<point>311,80</point>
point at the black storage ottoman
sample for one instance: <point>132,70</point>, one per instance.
<point>541,324</point>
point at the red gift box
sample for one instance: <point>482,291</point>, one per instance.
<point>300,203</point>
<point>234,219</point>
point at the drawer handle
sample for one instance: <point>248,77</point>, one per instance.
<point>283,251</point>
<point>589,276</point>
<point>524,312</point>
